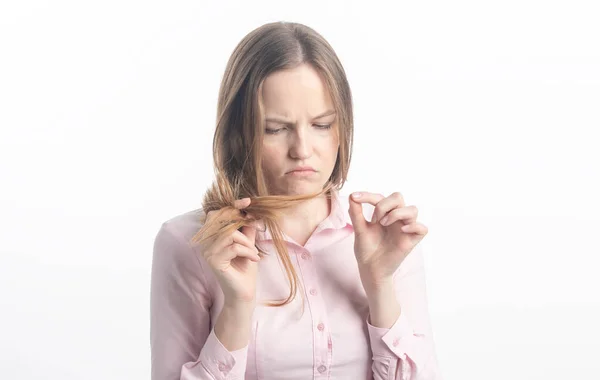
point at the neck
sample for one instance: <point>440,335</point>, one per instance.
<point>300,221</point>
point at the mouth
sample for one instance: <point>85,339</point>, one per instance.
<point>303,171</point>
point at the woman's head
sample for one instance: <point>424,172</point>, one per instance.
<point>300,132</point>
<point>283,71</point>
<point>278,83</point>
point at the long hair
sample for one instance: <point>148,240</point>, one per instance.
<point>239,132</point>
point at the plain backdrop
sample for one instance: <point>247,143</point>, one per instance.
<point>483,114</point>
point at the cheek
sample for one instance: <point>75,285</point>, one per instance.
<point>332,147</point>
<point>271,156</point>
<point>271,152</point>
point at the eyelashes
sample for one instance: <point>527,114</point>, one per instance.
<point>276,131</point>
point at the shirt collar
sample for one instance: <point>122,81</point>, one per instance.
<point>338,217</point>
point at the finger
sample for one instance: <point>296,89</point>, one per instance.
<point>246,237</point>
<point>242,203</point>
<point>250,233</point>
<point>226,240</point>
<point>238,250</point>
<point>406,214</point>
<point>356,215</point>
<point>415,228</point>
<point>386,205</point>
<point>366,197</point>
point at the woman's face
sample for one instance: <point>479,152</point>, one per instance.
<point>300,143</point>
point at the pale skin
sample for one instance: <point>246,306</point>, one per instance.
<point>296,135</point>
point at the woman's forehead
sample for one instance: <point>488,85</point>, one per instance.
<point>285,89</point>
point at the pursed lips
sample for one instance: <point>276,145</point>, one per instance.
<point>302,170</point>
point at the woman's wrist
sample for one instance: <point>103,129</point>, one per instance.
<point>384,308</point>
<point>233,326</point>
<point>238,305</point>
<point>375,285</point>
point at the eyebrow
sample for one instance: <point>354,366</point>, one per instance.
<point>280,120</point>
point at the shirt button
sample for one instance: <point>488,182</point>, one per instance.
<point>321,327</point>
<point>313,292</point>
<point>396,342</point>
<point>305,256</point>
<point>223,367</point>
<point>322,369</point>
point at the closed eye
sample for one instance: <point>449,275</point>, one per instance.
<point>272,131</point>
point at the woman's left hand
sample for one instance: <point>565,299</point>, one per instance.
<point>383,243</point>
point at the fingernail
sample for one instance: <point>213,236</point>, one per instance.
<point>384,221</point>
<point>356,195</point>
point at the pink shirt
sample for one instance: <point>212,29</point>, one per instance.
<point>332,339</point>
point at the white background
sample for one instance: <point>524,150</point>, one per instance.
<point>483,114</point>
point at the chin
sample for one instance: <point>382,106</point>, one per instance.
<point>304,188</point>
<point>287,186</point>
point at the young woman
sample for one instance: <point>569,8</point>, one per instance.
<point>278,275</point>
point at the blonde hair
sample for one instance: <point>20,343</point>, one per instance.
<point>239,131</point>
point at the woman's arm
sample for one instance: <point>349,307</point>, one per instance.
<point>183,345</point>
<point>399,325</point>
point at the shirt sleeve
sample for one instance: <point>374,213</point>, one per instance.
<point>406,351</point>
<point>183,344</point>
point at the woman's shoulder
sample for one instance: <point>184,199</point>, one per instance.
<point>173,240</point>
<point>175,258</point>
<point>184,225</point>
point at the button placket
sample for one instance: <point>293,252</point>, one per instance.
<point>322,348</point>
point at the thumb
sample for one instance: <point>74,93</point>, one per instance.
<point>356,215</point>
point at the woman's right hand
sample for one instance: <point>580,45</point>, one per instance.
<point>234,260</point>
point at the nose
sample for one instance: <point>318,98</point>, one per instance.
<point>301,144</point>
